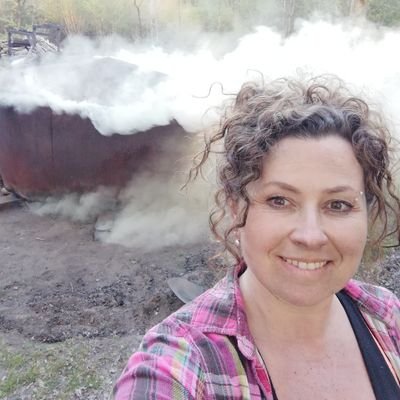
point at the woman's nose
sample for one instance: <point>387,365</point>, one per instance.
<point>309,231</point>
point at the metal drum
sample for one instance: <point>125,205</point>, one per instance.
<point>44,153</point>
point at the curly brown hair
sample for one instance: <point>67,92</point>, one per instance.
<point>263,114</point>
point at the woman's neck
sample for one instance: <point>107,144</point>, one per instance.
<point>276,320</point>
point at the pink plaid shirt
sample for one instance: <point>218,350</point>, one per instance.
<point>205,349</point>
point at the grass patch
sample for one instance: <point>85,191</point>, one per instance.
<point>40,371</point>
<point>18,373</point>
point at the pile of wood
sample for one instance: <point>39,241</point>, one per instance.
<point>42,39</point>
<point>43,46</point>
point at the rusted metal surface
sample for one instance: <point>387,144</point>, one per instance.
<point>43,153</point>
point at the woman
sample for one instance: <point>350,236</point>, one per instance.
<point>304,186</point>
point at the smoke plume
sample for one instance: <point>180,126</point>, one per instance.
<point>126,89</point>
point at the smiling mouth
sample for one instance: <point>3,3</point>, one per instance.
<point>310,266</point>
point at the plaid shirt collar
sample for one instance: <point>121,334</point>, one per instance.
<point>225,313</point>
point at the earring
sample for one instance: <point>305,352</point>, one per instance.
<point>236,237</point>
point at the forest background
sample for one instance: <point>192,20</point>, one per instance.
<point>157,20</point>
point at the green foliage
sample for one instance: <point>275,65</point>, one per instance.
<point>305,8</point>
<point>215,16</point>
<point>135,19</point>
<point>17,13</point>
<point>384,12</point>
<point>252,13</point>
<point>230,15</point>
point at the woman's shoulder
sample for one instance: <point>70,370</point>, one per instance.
<point>214,311</point>
<point>202,328</point>
<point>378,301</point>
<point>188,351</point>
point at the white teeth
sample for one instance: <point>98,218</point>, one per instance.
<point>305,265</point>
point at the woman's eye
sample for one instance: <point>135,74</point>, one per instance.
<point>340,206</point>
<point>278,202</point>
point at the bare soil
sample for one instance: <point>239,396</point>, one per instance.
<point>63,293</point>
<point>57,283</point>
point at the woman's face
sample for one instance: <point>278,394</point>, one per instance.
<point>306,227</point>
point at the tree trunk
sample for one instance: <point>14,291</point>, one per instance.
<point>289,7</point>
<point>139,17</point>
<point>19,12</point>
<point>153,7</point>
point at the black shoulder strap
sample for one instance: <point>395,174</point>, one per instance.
<point>382,380</point>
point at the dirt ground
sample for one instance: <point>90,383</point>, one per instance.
<point>58,284</point>
<point>73,309</point>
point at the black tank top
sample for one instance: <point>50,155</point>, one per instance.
<point>382,380</point>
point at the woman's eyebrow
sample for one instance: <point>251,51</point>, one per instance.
<point>343,188</point>
<point>283,185</point>
<point>332,190</point>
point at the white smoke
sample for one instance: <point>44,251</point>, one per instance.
<point>125,89</point>
<point>149,213</point>
<point>157,214</point>
<point>77,207</point>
